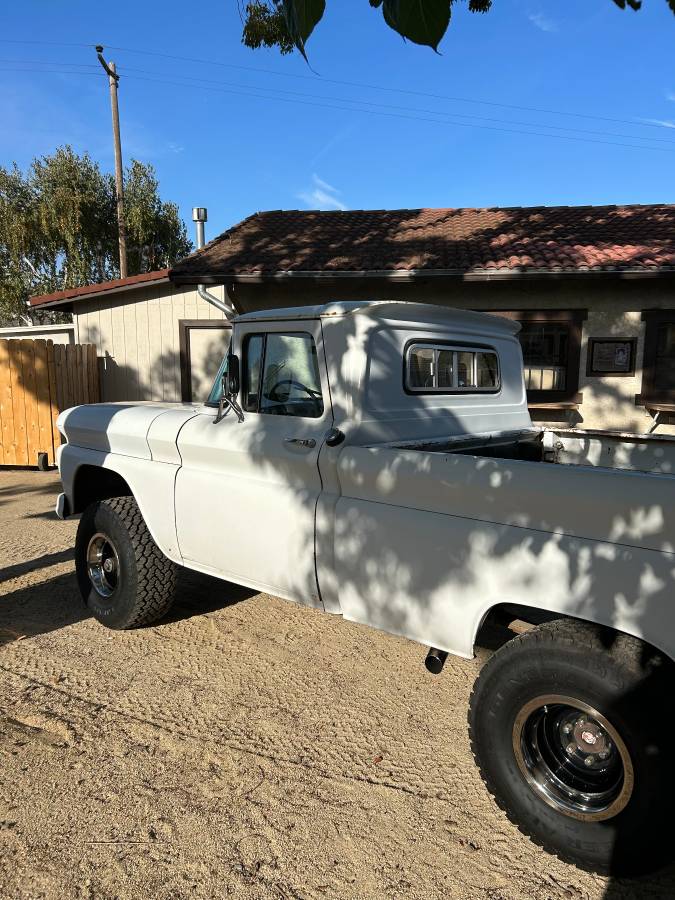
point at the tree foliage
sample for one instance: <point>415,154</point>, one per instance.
<point>58,227</point>
<point>287,24</point>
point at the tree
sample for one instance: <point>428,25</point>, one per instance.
<point>58,227</point>
<point>287,24</point>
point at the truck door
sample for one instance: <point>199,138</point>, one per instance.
<point>246,493</point>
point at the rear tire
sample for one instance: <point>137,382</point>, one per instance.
<point>124,578</point>
<point>571,728</point>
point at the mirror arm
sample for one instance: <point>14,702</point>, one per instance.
<point>227,402</point>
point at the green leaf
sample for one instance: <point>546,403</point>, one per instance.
<point>421,21</point>
<point>301,18</point>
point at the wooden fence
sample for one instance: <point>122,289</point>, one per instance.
<point>39,379</point>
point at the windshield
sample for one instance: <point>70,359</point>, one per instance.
<point>217,389</point>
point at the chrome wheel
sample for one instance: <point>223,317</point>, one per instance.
<point>573,758</point>
<point>103,565</point>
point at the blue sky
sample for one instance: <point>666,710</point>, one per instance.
<point>222,144</point>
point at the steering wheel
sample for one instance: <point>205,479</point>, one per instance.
<point>290,383</point>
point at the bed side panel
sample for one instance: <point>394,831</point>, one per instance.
<point>426,543</point>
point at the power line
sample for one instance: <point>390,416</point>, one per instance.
<point>377,87</point>
<point>200,81</point>
<point>378,112</point>
<point>49,71</point>
<point>444,118</point>
<point>43,43</point>
<point>42,62</point>
<point>635,122</point>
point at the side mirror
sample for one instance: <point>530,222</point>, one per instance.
<point>232,375</point>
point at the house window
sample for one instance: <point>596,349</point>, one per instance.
<point>443,369</point>
<point>551,345</point>
<point>658,371</point>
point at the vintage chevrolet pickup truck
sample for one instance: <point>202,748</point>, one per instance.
<point>378,460</point>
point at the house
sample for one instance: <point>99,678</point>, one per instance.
<point>593,289</point>
<point>156,341</point>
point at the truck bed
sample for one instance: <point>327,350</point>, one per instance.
<point>650,453</point>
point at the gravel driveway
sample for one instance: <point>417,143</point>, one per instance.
<point>245,747</point>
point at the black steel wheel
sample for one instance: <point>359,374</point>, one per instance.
<point>568,729</point>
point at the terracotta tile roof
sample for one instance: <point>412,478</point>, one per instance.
<point>541,239</point>
<point>58,297</point>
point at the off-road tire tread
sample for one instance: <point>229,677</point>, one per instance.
<point>156,584</point>
<point>628,652</point>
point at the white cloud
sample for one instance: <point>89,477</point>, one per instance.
<point>321,195</point>
<point>172,147</point>
<point>671,96</point>
<point>664,123</point>
<point>542,22</point>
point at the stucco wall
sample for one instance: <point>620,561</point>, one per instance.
<point>614,309</point>
<point>137,336</point>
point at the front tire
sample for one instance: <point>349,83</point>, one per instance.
<point>572,730</point>
<point>124,578</point>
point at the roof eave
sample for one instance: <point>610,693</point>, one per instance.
<point>93,295</point>
<point>411,275</point>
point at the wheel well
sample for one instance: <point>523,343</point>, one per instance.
<point>96,483</point>
<point>507,620</point>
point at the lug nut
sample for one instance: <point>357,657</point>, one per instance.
<point>589,760</point>
<point>603,754</point>
<point>567,728</point>
<point>571,748</point>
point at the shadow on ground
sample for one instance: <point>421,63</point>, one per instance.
<point>56,602</point>
<point>198,594</point>
<point>41,608</point>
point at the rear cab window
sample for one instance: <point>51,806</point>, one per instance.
<point>451,369</point>
<point>280,375</point>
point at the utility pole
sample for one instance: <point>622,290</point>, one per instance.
<point>113,77</point>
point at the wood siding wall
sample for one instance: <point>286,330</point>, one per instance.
<point>39,379</point>
<point>138,340</point>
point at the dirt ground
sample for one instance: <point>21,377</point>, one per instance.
<point>245,748</point>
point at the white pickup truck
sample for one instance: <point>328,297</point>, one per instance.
<point>377,460</point>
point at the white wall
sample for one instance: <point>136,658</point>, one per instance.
<point>137,335</point>
<point>59,334</point>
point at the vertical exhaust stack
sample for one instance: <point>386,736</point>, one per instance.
<point>199,217</point>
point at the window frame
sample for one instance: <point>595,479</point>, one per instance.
<point>263,358</point>
<point>468,347</point>
<point>650,396</point>
<point>574,320</point>
<point>185,326</point>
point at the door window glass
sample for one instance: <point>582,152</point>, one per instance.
<point>281,375</point>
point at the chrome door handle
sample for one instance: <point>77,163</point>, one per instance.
<point>301,442</point>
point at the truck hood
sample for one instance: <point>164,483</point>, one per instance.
<point>144,430</point>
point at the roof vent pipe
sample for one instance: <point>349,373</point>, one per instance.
<point>199,217</point>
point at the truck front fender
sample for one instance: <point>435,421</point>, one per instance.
<point>150,482</point>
